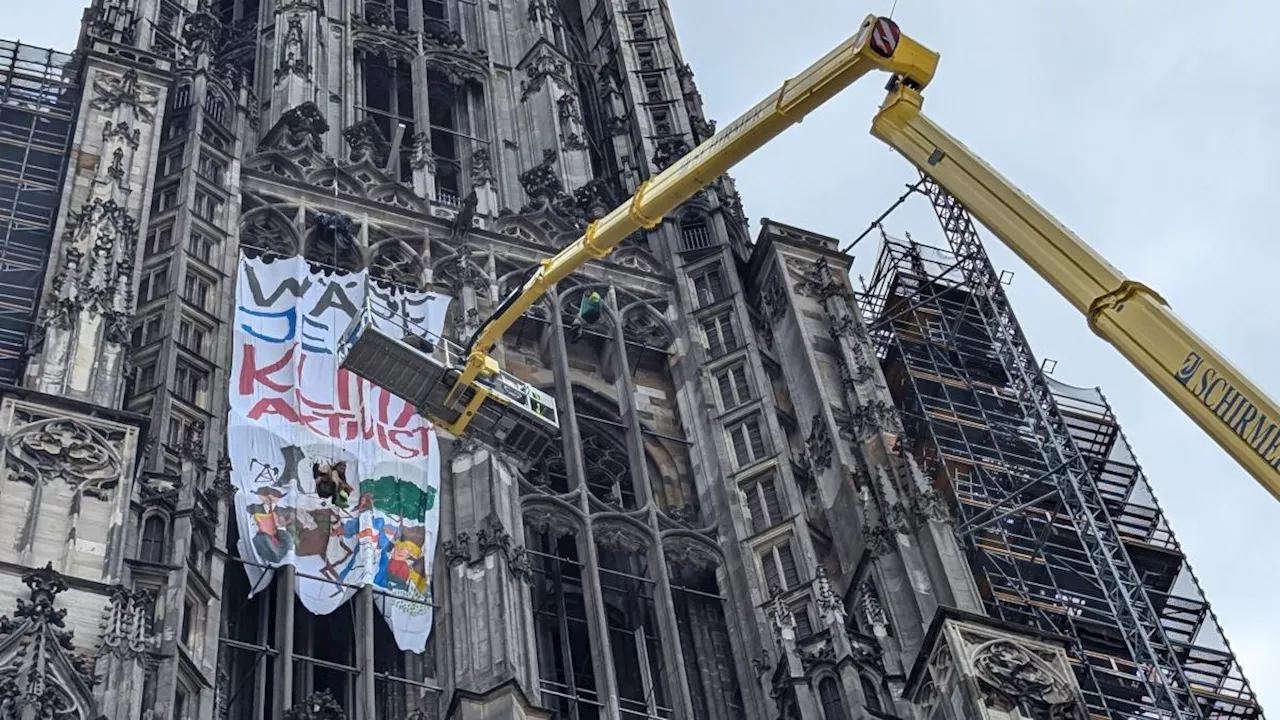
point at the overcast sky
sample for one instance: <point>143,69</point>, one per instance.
<point>1148,128</point>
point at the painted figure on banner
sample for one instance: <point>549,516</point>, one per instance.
<point>366,511</point>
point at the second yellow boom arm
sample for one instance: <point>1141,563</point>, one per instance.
<point>1126,313</point>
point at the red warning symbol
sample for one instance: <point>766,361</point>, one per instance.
<point>884,37</point>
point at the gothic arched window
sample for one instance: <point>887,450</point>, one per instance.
<point>871,693</point>
<point>153,539</point>
<point>832,704</point>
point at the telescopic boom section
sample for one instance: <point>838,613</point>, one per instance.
<point>1126,313</point>
<point>878,45</point>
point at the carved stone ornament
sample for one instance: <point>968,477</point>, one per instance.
<point>830,606</point>
<point>878,538</point>
<point>481,167</point>
<point>874,416</point>
<point>931,505</point>
<point>643,326</point>
<point>730,201</point>
<point>781,618</point>
<point>686,552</point>
<point>545,62</point>
<point>41,676</point>
<point>542,181</point>
<point>367,142</point>
<point>97,268</point>
<point>1010,676</point>
<point>192,447</point>
<point>567,110</point>
<point>111,92</point>
<point>463,269</point>
<point>493,539</point>
<point>823,654</point>
<point>458,550</point>
<point>158,490</point>
<point>774,298</point>
<point>546,520</point>
<point>465,322</point>
<point>871,611</point>
<point>818,447</point>
<point>616,536</point>
<point>765,330</point>
<point>69,449</point>
<point>378,36</point>
<point>126,624</point>
<point>266,231</point>
<point>423,157</point>
<point>294,57</point>
<point>319,706</point>
<point>846,325</point>
<point>333,242</point>
<point>761,664</point>
<point>519,565</point>
<point>668,150</point>
<point>222,483</point>
<point>121,131</point>
<point>457,65</point>
<point>294,149</point>
<point>202,33</point>
<point>540,10</point>
<point>114,20</point>
<point>299,127</point>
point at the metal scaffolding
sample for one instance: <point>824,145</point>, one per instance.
<point>39,94</point>
<point>1062,531</point>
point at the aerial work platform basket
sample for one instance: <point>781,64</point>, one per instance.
<point>401,357</point>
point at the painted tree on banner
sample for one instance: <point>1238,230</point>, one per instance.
<point>334,475</point>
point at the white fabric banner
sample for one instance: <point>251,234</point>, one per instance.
<point>293,410</point>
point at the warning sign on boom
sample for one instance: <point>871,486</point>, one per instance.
<point>884,37</point>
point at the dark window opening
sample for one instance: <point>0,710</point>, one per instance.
<point>396,671</point>
<point>804,626</point>
<point>387,13</point>
<point>443,99</point>
<point>181,705</point>
<point>325,654</point>
<point>871,693</point>
<point>631,619</point>
<point>704,642</point>
<point>147,331</point>
<point>709,285</point>
<point>188,623</point>
<point>565,671</point>
<point>388,100</point>
<point>720,334</point>
<point>434,10</point>
<point>152,547</point>
<point>249,623</point>
<point>779,566</point>
<point>158,241</point>
<point>694,233</point>
<point>153,285</point>
<point>763,503</point>
<point>748,441</point>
